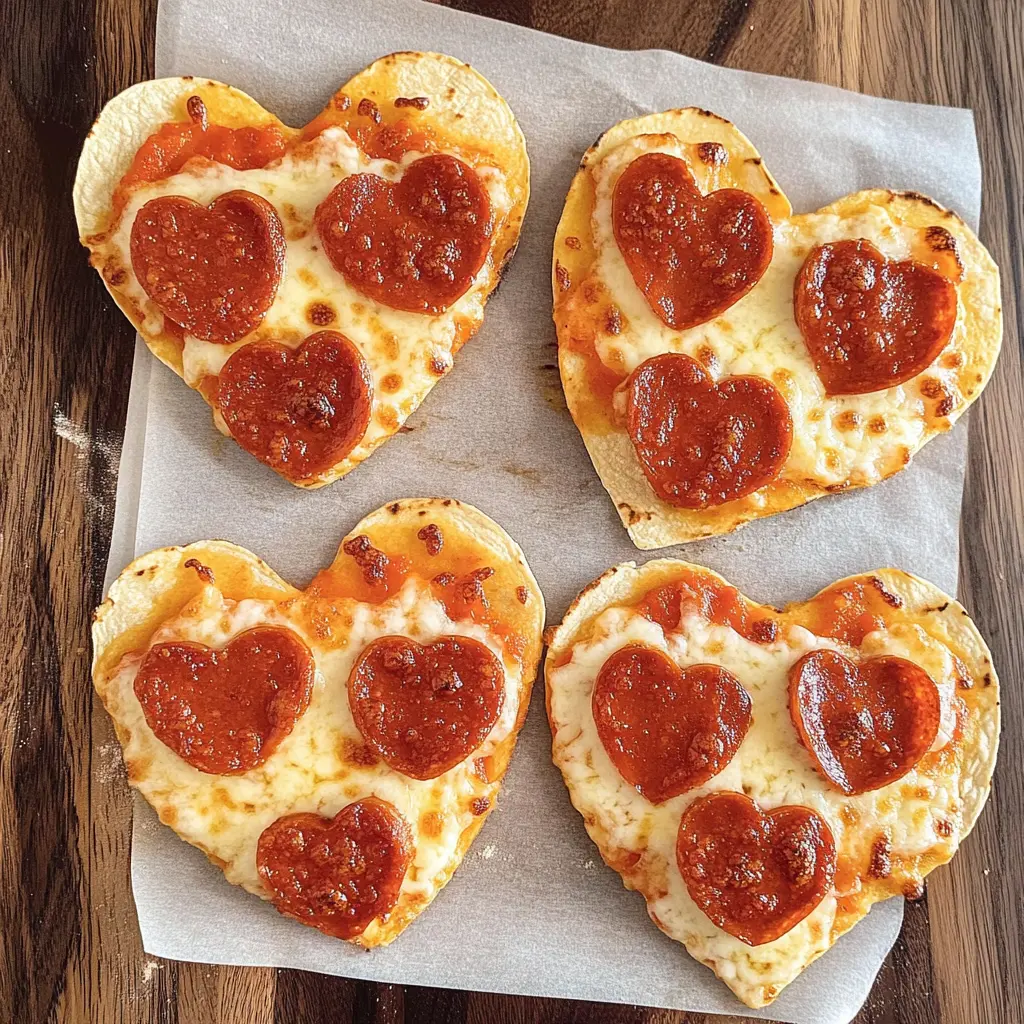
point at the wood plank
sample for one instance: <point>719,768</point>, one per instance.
<point>65,353</point>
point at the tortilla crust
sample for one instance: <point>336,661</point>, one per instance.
<point>924,604</point>
<point>653,523</point>
<point>464,110</point>
<point>158,585</point>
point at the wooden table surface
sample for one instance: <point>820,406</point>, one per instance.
<point>69,943</point>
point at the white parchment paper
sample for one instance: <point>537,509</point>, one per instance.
<point>532,909</point>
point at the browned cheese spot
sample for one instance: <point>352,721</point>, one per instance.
<point>419,102</point>
<point>714,154</point>
<point>372,562</point>
<point>563,276</point>
<point>784,381</point>
<point>196,109</point>
<point>708,358</point>
<point>891,599</point>
<point>204,572</point>
<point>432,538</point>
<point>946,256</point>
<point>764,631</point>
<point>848,419</point>
<point>471,586</point>
<point>877,425</point>
<point>880,865</point>
<point>389,345</point>
<point>320,314</point>
<point>432,824</point>
<point>367,108</point>
<point>522,595</point>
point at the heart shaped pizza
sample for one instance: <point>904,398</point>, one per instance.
<point>311,284</point>
<point>725,359</point>
<point>763,776</point>
<point>335,749</point>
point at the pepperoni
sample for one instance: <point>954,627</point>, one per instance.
<point>869,322</point>
<point>667,730</point>
<point>756,875</point>
<point>426,709</point>
<point>692,256</point>
<point>225,711</point>
<point>337,874</point>
<point>299,412</point>
<point>864,725</point>
<point>415,244</point>
<point>701,444</point>
<point>213,270</point>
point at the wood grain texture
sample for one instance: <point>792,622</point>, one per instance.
<point>69,944</point>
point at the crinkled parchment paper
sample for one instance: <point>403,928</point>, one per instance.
<point>532,909</point>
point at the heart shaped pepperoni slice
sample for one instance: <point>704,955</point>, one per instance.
<point>692,256</point>
<point>225,712</point>
<point>301,412</point>
<point>864,725</point>
<point>337,874</point>
<point>214,270</point>
<point>701,444</point>
<point>756,875</point>
<point>667,730</point>
<point>415,244</point>
<point>869,322</point>
<point>426,709</point>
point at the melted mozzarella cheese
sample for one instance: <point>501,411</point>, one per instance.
<point>771,766</point>
<point>410,349</point>
<point>313,768</point>
<point>836,439</point>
